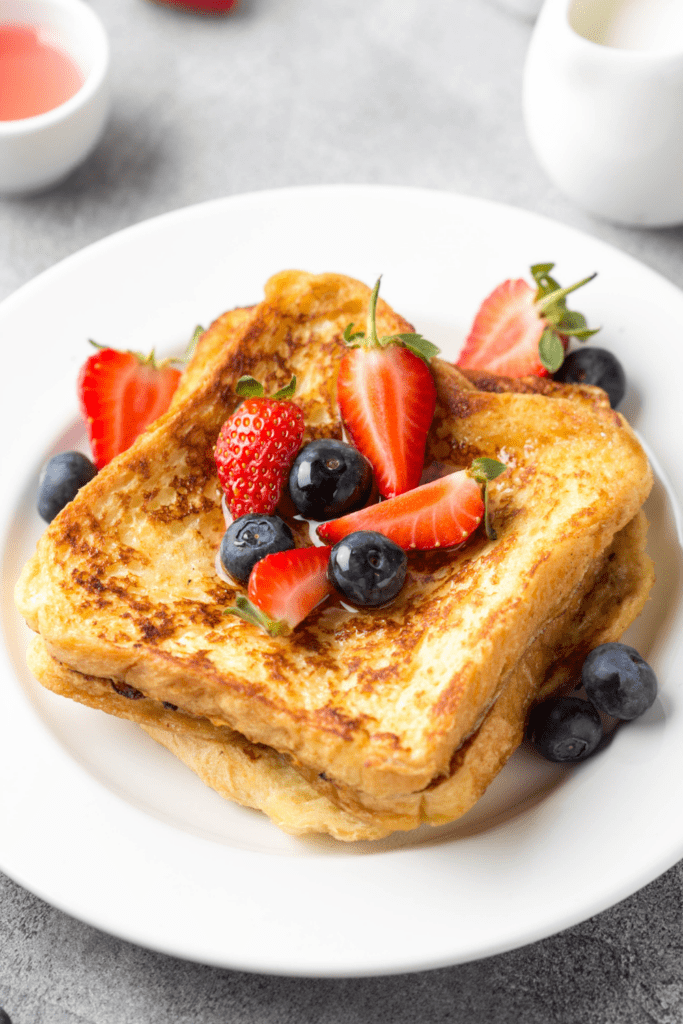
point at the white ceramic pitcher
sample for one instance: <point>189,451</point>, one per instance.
<point>603,105</point>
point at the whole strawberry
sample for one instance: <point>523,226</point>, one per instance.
<point>256,447</point>
<point>386,397</point>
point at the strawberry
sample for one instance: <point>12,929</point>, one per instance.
<point>121,393</point>
<point>256,447</point>
<point>205,6</point>
<point>386,397</point>
<point>521,330</point>
<point>438,514</point>
<point>284,588</point>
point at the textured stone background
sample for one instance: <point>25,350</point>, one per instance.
<point>284,92</point>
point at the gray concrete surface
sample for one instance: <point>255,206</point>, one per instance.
<point>283,92</point>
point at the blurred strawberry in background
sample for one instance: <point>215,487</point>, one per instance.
<point>206,6</point>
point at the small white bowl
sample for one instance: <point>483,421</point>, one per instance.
<point>37,152</point>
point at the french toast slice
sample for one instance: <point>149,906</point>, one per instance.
<point>123,584</point>
<point>300,802</point>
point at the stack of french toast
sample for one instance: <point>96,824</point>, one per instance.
<point>362,721</point>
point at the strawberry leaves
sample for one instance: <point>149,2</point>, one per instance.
<point>522,330</point>
<point>562,323</point>
<point>244,609</point>
<point>369,338</point>
<point>284,587</point>
<point>483,471</point>
<point>248,387</point>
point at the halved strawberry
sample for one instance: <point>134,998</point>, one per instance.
<point>284,588</point>
<point>521,330</point>
<point>121,393</point>
<point>438,514</point>
<point>386,397</point>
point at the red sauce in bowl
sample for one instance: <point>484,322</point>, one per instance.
<point>35,75</point>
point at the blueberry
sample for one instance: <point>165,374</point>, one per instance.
<point>328,479</point>
<point>565,729</point>
<point>618,681</point>
<point>249,539</point>
<point>368,568</point>
<point>4,1017</point>
<point>594,366</point>
<point>61,480</point>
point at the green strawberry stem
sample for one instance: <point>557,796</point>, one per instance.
<point>418,345</point>
<point>561,323</point>
<point>554,297</point>
<point>244,609</point>
<point>371,340</point>
<point>483,471</point>
<point>192,344</point>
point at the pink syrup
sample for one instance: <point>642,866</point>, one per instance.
<point>35,76</point>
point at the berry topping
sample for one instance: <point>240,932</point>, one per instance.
<point>618,681</point>
<point>121,393</point>
<point>256,446</point>
<point>328,479</point>
<point>284,588</point>
<point>249,539</point>
<point>438,514</point>
<point>521,330</point>
<point>368,568</point>
<point>568,729</point>
<point>594,366</point>
<point>61,479</point>
<point>386,397</point>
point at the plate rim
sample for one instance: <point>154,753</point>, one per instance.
<point>410,962</point>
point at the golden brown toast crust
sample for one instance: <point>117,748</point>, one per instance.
<point>302,801</point>
<point>123,583</point>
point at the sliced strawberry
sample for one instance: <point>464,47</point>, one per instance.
<point>121,393</point>
<point>284,588</point>
<point>521,330</point>
<point>386,397</point>
<point>438,514</point>
<point>505,334</point>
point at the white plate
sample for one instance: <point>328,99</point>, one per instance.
<point>100,822</point>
